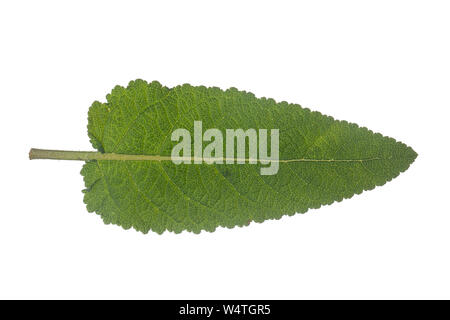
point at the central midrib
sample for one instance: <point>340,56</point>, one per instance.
<point>94,155</point>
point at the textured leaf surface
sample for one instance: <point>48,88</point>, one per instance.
<point>159,195</point>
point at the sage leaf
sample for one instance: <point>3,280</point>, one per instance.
<point>133,181</point>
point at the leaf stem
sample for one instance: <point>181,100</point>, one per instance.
<point>88,155</point>
<point>62,155</point>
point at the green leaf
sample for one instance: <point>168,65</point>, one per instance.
<point>333,160</point>
<point>131,181</point>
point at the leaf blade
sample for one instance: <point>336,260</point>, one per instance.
<point>163,196</point>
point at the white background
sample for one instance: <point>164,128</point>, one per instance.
<point>382,64</point>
